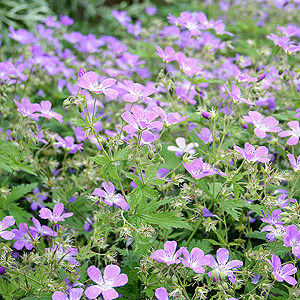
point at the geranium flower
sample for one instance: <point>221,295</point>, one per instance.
<point>282,273</point>
<point>73,294</point>
<point>61,253</point>
<point>269,124</point>
<point>274,232</point>
<point>273,218</point>
<point>187,65</point>
<point>222,265</point>
<point>294,133</point>
<point>171,118</point>
<point>161,294</point>
<point>168,255</point>
<point>106,284</point>
<point>183,147</point>
<point>198,169</point>
<point>4,224</point>
<point>252,154</point>
<point>27,109</point>
<point>89,81</point>
<point>57,214</point>
<point>37,199</point>
<point>23,238</point>
<point>291,238</point>
<point>236,95</point>
<point>195,260</point>
<point>295,164</point>
<point>41,229</point>
<point>46,112</point>
<point>109,196</point>
<point>68,144</point>
<point>167,55</point>
<point>206,135</point>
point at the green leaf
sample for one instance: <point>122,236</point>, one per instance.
<point>123,154</point>
<point>78,122</point>
<point>20,191</point>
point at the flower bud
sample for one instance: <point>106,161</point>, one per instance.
<point>158,147</point>
<point>223,275</point>
<point>161,160</point>
<point>215,275</point>
<point>261,77</point>
<point>137,160</point>
<point>150,154</point>
<point>225,286</point>
<point>81,72</point>
<point>2,270</point>
<point>206,115</point>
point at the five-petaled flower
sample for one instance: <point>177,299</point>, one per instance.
<point>4,224</point>
<point>57,215</point>
<point>109,196</point>
<point>195,260</point>
<point>72,294</point>
<point>161,294</point>
<point>105,285</point>
<point>291,238</point>
<point>282,273</point>
<point>294,133</point>
<point>183,147</point>
<point>252,154</point>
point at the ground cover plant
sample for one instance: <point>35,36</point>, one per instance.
<point>159,162</point>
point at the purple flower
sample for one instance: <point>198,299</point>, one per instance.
<point>68,144</point>
<point>27,109</point>
<point>151,10</point>
<point>143,120</point>
<point>206,135</point>
<point>81,72</point>
<point>183,147</point>
<point>135,92</point>
<point>109,196</point>
<point>273,218</point>
<point>187,65</point>
<point>171,118</point>
<point>121,16</point>
<point>195,260</point>
<point>283,200</point>
<point>89,81</point>
<point>57,215</point>
<point>294,133</point>
<point>295,164</point>
<point>274,232</point>
<point>269,124</point>
<point>161,294</point>
<point>46,112</point>
<point>169,255</point>
<point>6,69</point>
<point>206,213</point>
<point>41,229</point>
<point>167,55</point>
<point>74,294</point>
<point>2,270</point>
<point>198,169</point>
<point>4,224</point>
<point>23,36</point>
<point>282,273</point>
<point>223,266</point>
<point>66,20</point>
<point>255,278</point>
<point>236,95</point>
<point>37,199</point>
<point>106,284</point>
<point>206,115</point>
<point>252,154</point>
<point>23,236</point>
<point>292,239</point>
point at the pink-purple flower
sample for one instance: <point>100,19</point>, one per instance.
<point>168,255</point>
<point>282,273</point>
<point>291,239</point>
<point>109,196</point>
<point>57,215</point>
<point>262,126</point>
<point>68,144</point>
<point>105,284</point>
<point>27,109</point>
<point>236,95</point>
<point>46,112</point>
<point>251,154</point>
<point>161,294</point>
<point>24,237</point>
<point>167,55</point>
<point>183,147</point>
<point>295,164</point>
<point>206,136</point>
<point>195,260</point>
<point>198,169</point>
<point>222,265</point>
<point>171,118</point>
<point>294,133</point>
<point>4,224</point>
<point>72,294</point>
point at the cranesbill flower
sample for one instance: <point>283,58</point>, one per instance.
<point>195,260</point>
<point>274,232</point>
<point>223,266</point>
<point>273,218</point>
<point>121,16</point>
<point>294,133</point>
<point>171,118</point>
<point>269,124</point>
<point>73,294</point>
<point>41,229</point>
<point>57,214</point>
<point>295,164</point>
<point>183,147</point>
<point>135,91</point>
<point>282,273</point>
<point>198,169</point>
<point>4,224</point>
<point>6,69</point>
<point>27,109</point>
<point>291,238</point>
<point>22,235</point>
<point>141,119</point>
<point>161,294</point>
<point>66,20</point>
<point>206,213</point>
<point>206,136</point>
<point>283,200</point>
<point>167,55</point>
<point>46,112</point>
<point>252,154</point>
<point>168,255</point>
<point>37,199</point>
<point>187,65</point>
<point>60,253</point>
<point>68,144</point>
<point>109,196</point>
<point>89,81</point>
<point>236,95</point>
<point>105,285</point>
